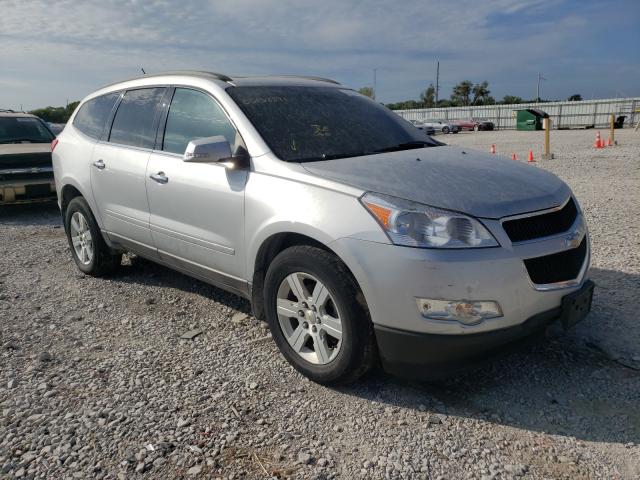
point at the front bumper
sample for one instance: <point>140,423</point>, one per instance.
<point>27,191</point>
<point>428,356</point>
<point>393,277</point>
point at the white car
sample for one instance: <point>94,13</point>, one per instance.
<point>420,126</point>
<point>441,127</point>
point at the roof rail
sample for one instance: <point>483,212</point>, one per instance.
<point>309,77</point>
<point>199,73</point>
<point>8,110</point>
<point>204,73</point>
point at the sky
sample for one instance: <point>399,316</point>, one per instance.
<point>54,51</point>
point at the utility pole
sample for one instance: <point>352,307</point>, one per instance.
<point>375,70</point>
<point>437,81</point>
<point>540,77</point>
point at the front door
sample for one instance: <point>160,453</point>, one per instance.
<point>197,209</point>
<point>118,170</point>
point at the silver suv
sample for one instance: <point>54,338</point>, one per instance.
<point>356,237</point>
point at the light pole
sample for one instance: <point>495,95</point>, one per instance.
<point>540,77</point>
<point>437,81</point>
<point>375,71</point>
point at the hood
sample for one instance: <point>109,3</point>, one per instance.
<point>453,178</point>
<point>7,148</point>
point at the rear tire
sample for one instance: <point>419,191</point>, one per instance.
<point>445,130</point>
<point>88,248</point>
<point>304,330</point>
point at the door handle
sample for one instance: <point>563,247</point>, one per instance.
<point>159,177</point>
<point>99,164</point>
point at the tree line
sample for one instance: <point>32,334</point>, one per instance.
<point>464,94</point>
<point>55,114</point>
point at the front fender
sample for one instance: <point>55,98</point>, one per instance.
<point>280,205</point>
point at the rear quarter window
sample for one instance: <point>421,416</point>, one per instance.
<point>93,115</point>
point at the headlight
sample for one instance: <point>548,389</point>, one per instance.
<point>415,225</point>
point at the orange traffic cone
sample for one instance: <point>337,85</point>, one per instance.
<point>513,156</point>
<point>531,160</point>
<point>493,148</point>
<point>598,143</point>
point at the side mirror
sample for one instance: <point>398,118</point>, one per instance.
<point>208,150</point>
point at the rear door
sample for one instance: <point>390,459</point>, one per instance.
<point>197,209</point>
<point>118,169</point>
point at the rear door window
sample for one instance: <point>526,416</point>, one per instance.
<point>93,115</point>
<point>135,120</point>
<point>194,115</point>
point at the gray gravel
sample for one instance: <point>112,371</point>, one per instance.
<point>152,374</point>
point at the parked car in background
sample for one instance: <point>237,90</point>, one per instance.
<point>471,124</point>
<point>353,234</point>
<point>26,173</point>
<point>442,127</point>
<point>421,126</point>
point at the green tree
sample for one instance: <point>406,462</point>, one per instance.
<point>481,93</point>
<point>428,97</point>
<point>576,97</point>
<point>462,93</point>
<point>511,100</point>
<point>55,114</point>
<point>366,91</point>
<point>405,105</point>
<point>444,103</point>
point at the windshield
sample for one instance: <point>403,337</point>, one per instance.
<point>321,123</point>
<point>24,129</point>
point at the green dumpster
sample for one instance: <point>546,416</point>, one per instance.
<point>530,119</point>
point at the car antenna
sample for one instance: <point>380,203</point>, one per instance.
<point>143,72</point>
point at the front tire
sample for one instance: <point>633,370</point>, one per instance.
<point>311,305</point>
<point>88,248</point>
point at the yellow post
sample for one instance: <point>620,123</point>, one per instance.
<point>547,155</point>
<point>612,132</point>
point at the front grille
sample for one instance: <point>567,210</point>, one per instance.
<point>558,267</point>
<point>543,225</point>
<point>23,175</point>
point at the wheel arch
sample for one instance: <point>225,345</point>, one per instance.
<point>71,189</point>
<point>269,249</point>
<point>68,193</point>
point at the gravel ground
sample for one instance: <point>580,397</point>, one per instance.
<point>96,382</point>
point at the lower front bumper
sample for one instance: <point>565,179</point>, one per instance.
<point>27,191</point>
<point>432,356</point>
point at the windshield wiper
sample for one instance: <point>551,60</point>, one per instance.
<point>394,148</point>
<point>407,146</point>
<point>332,156</point>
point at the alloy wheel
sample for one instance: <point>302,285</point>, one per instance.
<point>309,318</point>
<point>81,238</point>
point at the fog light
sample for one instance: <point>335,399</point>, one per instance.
<point>468,312</point>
